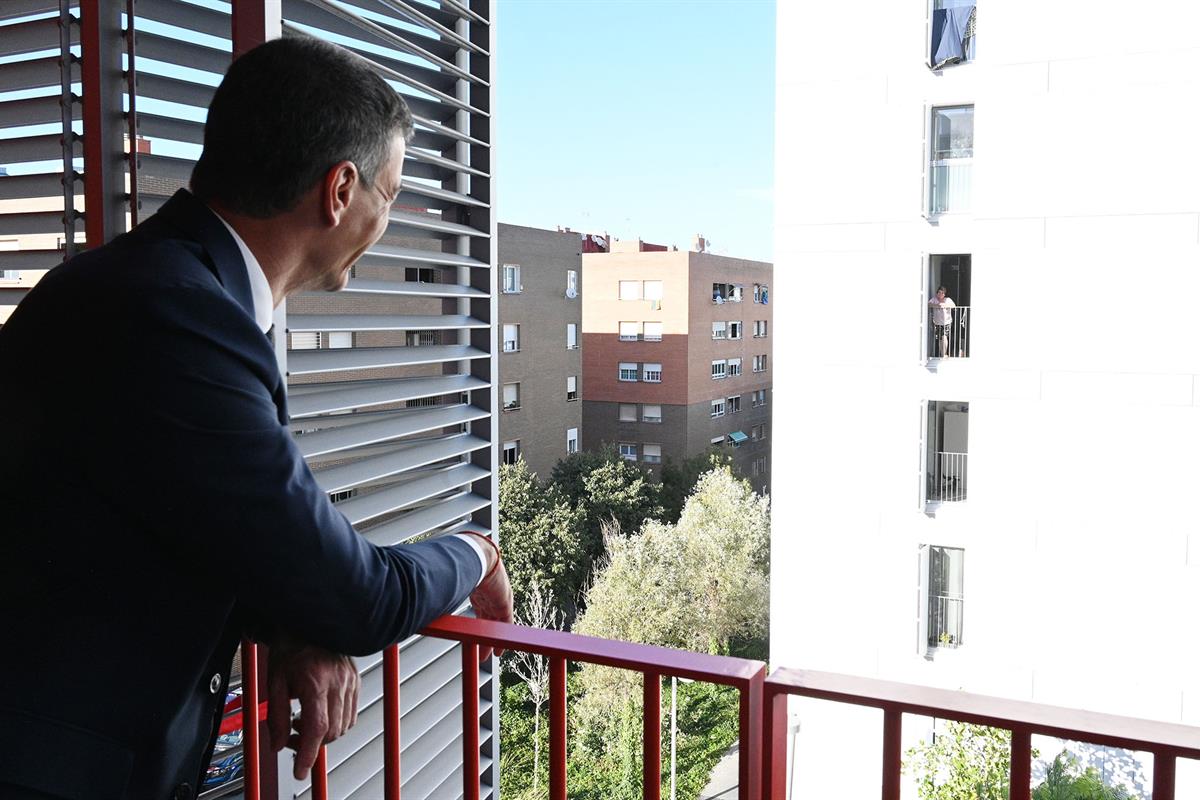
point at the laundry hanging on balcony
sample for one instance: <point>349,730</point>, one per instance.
<point>952,38</point>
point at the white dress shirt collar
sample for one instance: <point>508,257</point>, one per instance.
<point>260,290</point>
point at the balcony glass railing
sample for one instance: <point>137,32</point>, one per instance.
<point>950,186</point>
<point>762,730</point>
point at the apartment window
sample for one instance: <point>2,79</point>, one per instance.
<point>718,409</point>
<point>758,398</point>
<point>735,330</point>
<point>718,369</point>
<point>572,336</point>
<point>652,453</point>
<point>628,451</point>
<point>630,290</point>
<point>628,331</point>
<point>511,275</point>
<point>572,388</point>
<point>951,33</point>
<point>652,413</point>
<point>346,494</point>
<point>726,293</point>
<point>945,451</point>
<point>421,402</point>
<point>759,466</point>
<point>306,340</point>
<point>652,290</point>
<point>716,440</point>
<point>952,147</point>
<point>652,373</point>
<point>421,275</point>
<point>718,330</point>
<point>10,274</point>
<point>512,396</point>
<point>735,367</point>
<point>948,309</point>
<point>758,432</point>
<point>512,338</point>
<point>627,412</point>
<point>941,583</point>
<point>572,440</point>
<point>627,371</point>
<point>422,338</point>
<point>733,404</point>
<point>572,284</point>
<point>340,339</point>
<point>511,452</point>
<point>760,363</point>
<point>758,292</point>
<point>652,331</point>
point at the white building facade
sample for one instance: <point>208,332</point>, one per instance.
<point>1002,496</point>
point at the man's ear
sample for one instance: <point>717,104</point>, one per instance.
<point>337,190</point>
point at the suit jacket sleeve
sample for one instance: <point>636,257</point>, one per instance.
<point>201,458</point>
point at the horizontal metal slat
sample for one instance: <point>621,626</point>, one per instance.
<point>15,9</point>
<point>32,222</point>
<point>423,195</point>
<point>406,288</point>
<point>174,128</point>
<point>438,134</point>
<point>186,15</point>
<point>182,53</point>
<point>46,147</point>
<point>463,11</point>
<point>33,35</point>
<point>404,494</point>
<point>36,73</point>
<point>43,184</point>
<point>428,519</point>
<point>388,255</point>
<point>393,425</point>
<point>385,6</point>
<point>30,259</point>
<point>311,362</point>
<point>33,111</point>
<point>380,322</point>
<point>364,394</point>
<point>425,17</point>
<point>448,165</point>
<point>437,225</point>
<point>174,90</point>
<point>398,459</point>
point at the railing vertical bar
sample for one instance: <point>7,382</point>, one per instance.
<point>1020,765</point>
<point>1164,776</point>
<point>320,776</point>
<point>470,738</point>
<point>250,738</point>
<point>558,728</point>
<point>651,736</point>
<point>774,751</point>
<point>750,738</point>
<point>893,723</point>
<point>391,722</point>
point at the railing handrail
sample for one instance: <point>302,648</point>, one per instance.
<point>726,670</point>
<point>1066,723</point>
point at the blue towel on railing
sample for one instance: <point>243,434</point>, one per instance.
<point>952,38</point>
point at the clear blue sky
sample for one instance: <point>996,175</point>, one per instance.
<point>649,118</point>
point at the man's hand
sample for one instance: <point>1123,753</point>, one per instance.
<point>327,686</point>
<point>493,599</point>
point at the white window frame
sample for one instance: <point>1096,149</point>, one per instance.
<point>623,331</point>
<point>931,162</point>
<point>716,441</point>
<point>306,340</point>
<point>734,367</point>
<point>627,372</point>
<point>572,336</point>
<point>718,330</point>
<point>758,292</point>
<point>925,596</point>
<point>513,446</point>
<point>513,286</point>
<point>718,369</point>
<point>340,340</point>
<point>652,458</point>
<point>572,440</point>
<point>652,337</point>
<point>652,419</point>
<point>717,408</point>
<point>628,451</point>
<point>517,402</point>
<point>635,288</point>
<point>735,329</point>
<point>421,274</point>
<point>633,417</point>
<point>652,373</point>
<point>572,284</point>
<point>515,340</point>
<point>572,388</point>
<point>733,404</point>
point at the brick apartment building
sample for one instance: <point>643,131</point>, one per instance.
<point>541,370</point>
<point>677,355</point>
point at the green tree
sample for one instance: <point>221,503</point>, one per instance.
<point>541,532</point>
<point>679,479</point>
<point>1066,779</point>
<point>963,762</point>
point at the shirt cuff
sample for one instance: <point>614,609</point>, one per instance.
<point>478,548</point>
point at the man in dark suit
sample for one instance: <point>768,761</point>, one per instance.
<point>154,505</point>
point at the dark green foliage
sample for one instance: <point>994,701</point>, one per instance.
<point>679,479</point>
<point>1066,779</point>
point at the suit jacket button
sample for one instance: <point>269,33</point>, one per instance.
<point>214,685</point>
<point>182,792</point>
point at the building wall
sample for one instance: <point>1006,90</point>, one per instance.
<point>1080,527</point>
<point>544,362</point>
<point>601,426</point>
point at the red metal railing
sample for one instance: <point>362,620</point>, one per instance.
<point>763,713</point>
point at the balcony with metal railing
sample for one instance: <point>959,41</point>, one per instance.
<point>948,334</point>
<point>947,478</point>
<point>763,716</point>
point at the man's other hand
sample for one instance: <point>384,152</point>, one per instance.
<point>327,686</point>
<point>493,599</point>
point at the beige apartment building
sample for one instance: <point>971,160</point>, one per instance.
<point>677,355</point>
<point>541,369</point>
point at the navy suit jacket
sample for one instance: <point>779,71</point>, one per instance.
<point>153,505</point>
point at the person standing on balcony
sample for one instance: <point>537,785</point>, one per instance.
<point>155,506</point>
<point>943,318</point>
